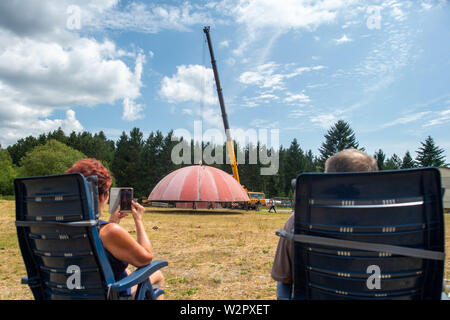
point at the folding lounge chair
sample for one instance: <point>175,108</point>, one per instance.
<point>354,229</point>
<point>57,228</point>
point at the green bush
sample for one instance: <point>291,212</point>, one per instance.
<point>53,157</point>
<point>7,173</point>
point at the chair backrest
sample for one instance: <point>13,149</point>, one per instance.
<point>401,208</point>
<point>56,221</point>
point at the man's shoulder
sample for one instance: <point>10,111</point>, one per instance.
<point>289,226</point>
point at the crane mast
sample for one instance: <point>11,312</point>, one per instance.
<point>230,144</point>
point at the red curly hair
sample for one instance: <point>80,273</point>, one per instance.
<point>93,167</point>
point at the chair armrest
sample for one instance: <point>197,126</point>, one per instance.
<point>138,276</point>
<point>31,282</point>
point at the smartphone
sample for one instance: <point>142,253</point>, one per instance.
<point>120,197</point>
<point>126,195</point>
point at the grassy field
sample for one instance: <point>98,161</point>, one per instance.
<point>211,256</point>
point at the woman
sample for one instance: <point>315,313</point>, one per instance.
<point>121,248</point>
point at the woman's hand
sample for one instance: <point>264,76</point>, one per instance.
<point>117,215</point>
<point>137,211</point>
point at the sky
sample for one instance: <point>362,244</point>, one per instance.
<point>294,67</point>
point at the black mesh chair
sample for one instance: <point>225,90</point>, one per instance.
<point>354,230</point>
<point>57,229</point>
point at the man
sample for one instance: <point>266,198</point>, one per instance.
<point>272,206</point>
<point>349,160</point>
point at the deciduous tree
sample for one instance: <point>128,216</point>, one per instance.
<point>53,157</point>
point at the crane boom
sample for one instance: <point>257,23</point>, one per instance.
<point>230,144</point>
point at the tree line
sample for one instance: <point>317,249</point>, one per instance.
<point>141,162</point>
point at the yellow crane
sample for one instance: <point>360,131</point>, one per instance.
<point>256,198</point>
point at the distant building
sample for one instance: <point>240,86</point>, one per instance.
<point>445,180</point>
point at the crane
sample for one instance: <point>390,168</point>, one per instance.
<point>230,144</point>
<point>256,199</point>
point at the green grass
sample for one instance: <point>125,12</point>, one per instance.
<point>211,256</point>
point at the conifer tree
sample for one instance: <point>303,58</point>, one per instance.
<point>393,163</point>
<point>380,156</point>
<point>429,154</point>
<point>408,162</point>
<point>339,137</point>
<point>128,163</point>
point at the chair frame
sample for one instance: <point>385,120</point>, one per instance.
<point>303,185</point>
<point>89,197</point>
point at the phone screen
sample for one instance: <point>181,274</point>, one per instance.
<point>126,195</point>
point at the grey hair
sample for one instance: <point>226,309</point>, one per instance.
<point>351,160</point>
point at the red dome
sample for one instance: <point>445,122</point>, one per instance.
<point>200,184</point>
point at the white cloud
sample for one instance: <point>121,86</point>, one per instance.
<point>191,83</point>
<point>426,5</point>
<point>350,24</point>
<point>391,50</point>
<point>265,123</point>
<point>299,98</point>
<point>30,125</point>
<point>406,119</point>
<point>45,67</point>
<point>300,70</point>
<point>343,39</point>
<point>263,98</point>
<point>249,103</point>
<point>147,17</point>
<point>297,113</point>
<point>324,121</point>
<point>442,117</point>
<point>224,44</point>
<point>187,111</point>
<point>293,14</point>
<point>269,75</point>
<point>269,19</point>
<point>317,85</point>
<point>270,78</point>
<point>131,110</point>
<point>398,14</point>
<point>212,117</point>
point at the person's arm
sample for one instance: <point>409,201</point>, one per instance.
<point>281,268</point>
<point>123,246</point>
<point>138,216</point>
<point>116,216</point>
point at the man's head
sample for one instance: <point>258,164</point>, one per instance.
<point>351,160</point>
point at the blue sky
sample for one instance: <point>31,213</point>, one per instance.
<point>295,66</point>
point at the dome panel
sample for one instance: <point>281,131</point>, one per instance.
<point>198,183</point>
